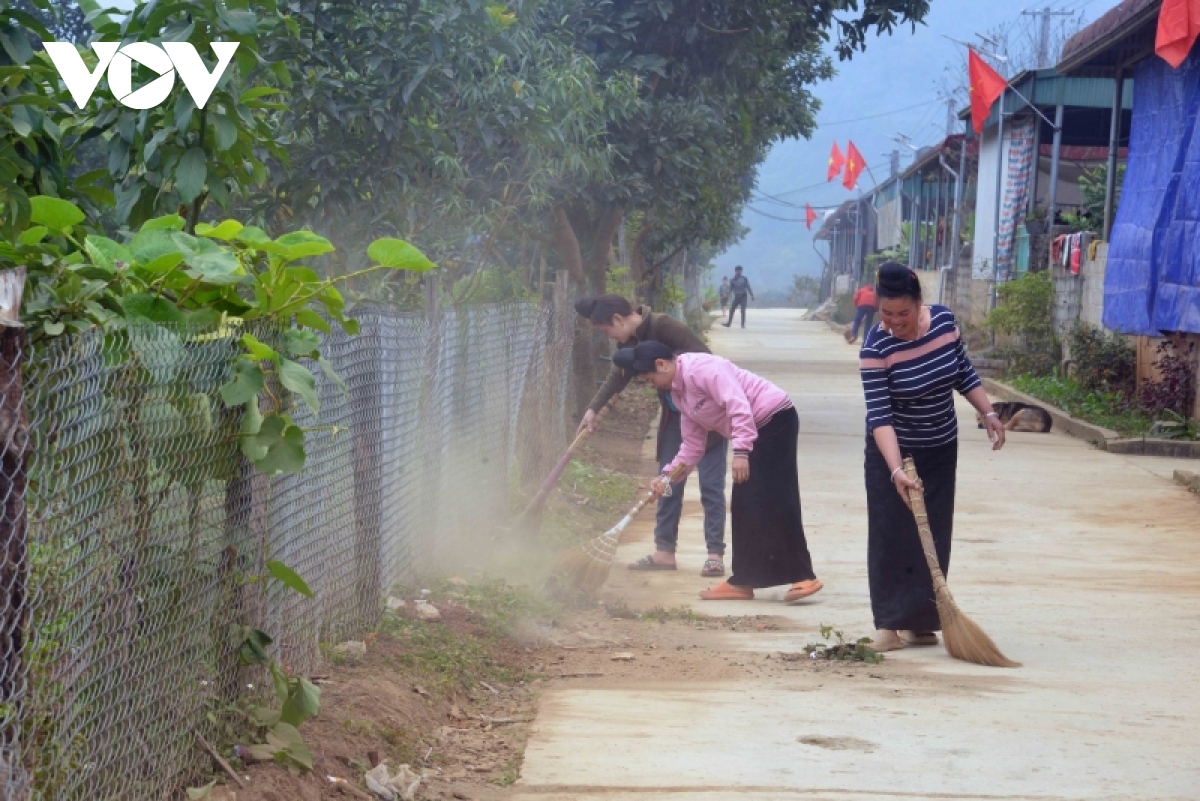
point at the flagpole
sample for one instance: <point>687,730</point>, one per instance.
<point>999,202</point>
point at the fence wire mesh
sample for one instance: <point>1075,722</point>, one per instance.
<point>144,521</point>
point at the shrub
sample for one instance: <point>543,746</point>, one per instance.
<point>1102,361</point>
<point>1026,311</point>
<point>844,312</point>
<point>1175,391</point>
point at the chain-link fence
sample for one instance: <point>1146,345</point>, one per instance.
<point>125,599</point>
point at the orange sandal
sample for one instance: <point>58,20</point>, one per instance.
<point>727,592</point>
<point>802,589</point>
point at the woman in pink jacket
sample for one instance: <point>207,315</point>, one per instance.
<point>713,394</point>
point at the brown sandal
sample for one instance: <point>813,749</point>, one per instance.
<point>802,589</point>
<point>727,592</point>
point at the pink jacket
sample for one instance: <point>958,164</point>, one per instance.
<point>714,394</point>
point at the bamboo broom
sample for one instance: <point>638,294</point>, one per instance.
<point>530,520</point>
<point>963,637</point>
<point>586,567</point>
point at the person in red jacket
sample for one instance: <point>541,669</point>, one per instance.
<point>864,303</point>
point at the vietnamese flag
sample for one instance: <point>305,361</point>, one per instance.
<point>810,216</point>
<point>1178,27</point>
<point>986,86</point>
<point>836,162</point>
<point>854,166</point>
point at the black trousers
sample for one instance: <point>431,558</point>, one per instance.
<point>738,300</point>
<point>901,587</point>
<point>769,547</point>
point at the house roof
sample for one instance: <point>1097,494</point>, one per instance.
<point>929,156</point>
<point>1046,88</point>
<point>837,220</point>
<point>1123,36</point>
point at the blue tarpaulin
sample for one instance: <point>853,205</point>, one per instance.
<point>1152,282</point>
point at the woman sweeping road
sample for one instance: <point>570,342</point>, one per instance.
<point>911,365</point>
<point>713,394</point>
<point>616,317</point>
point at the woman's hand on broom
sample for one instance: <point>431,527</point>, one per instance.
<point>904,484</point>
<point>587,424</point>
<point>741,469</point>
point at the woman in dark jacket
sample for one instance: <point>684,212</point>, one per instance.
<point>912,363</point>
<point>621,322</point>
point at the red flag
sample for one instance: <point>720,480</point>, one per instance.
<point>836,162</point>
<point>986,86</point>
<point>810,215</point>
<point>854,167</point>
<point>1178,27</point>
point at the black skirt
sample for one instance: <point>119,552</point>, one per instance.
<point>769,548</point>
<point>901,588</point>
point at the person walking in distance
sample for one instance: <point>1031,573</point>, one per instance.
<point>715,395</point>
<point>864,315</point>
<point>740,287</point>
<point>616,317</point>
<point>723,293</point>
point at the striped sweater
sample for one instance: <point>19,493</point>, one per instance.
<point>910,385</point>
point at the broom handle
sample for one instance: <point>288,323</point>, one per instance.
<point>552,480</point>
<point>676,474</point>
<point>917,498</point>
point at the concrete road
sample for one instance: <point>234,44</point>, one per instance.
<point>1084,566</point>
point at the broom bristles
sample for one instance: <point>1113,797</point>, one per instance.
<point>963,637</point>
<point>586,567</point>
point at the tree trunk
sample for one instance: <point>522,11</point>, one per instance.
<point>567,245</point>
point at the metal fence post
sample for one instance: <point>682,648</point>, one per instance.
<point>14,436</point>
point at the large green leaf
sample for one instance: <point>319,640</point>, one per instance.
<point>246,383</point>
<point>281,445</point>
<point>152,308</point>
<point>168,222</point>
<point>190,174</point>
<point>150,244</point>
<point>310,318</point>
<point>105,253</point>
<point>54,213</point>
<point>225,132</point>
<point>289,578</point>
<point>299,379</point>
<point>258,350</point>
<point>301,244</point>
<point>209,261</point>
<point>299,342</point>
<point>398,255</point>
<point>227,230</point>
<point>302,703</point>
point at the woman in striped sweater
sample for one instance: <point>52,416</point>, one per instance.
<point>912,363</point>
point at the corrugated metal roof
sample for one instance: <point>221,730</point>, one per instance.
<point>1043,88</point>
<point>1120,37</point>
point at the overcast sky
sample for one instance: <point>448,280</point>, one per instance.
<point>896,72</point>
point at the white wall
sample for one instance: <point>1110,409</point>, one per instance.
<point>888,230</point>
<point>985,206</point>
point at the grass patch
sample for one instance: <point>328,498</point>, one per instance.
<point>683,614</point>
<point>453,658</point>
<point>589,500</point>
<point>1107,409</point>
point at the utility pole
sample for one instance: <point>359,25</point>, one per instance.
<point>1044,41</point>
<point>894,161</point>
<point>951,110</point>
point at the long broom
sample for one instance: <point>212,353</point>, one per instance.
<point>530,520</point>
<point>962,636</point>
<point>586,567</point>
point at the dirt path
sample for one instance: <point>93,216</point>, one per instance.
<point>1083,565</point>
